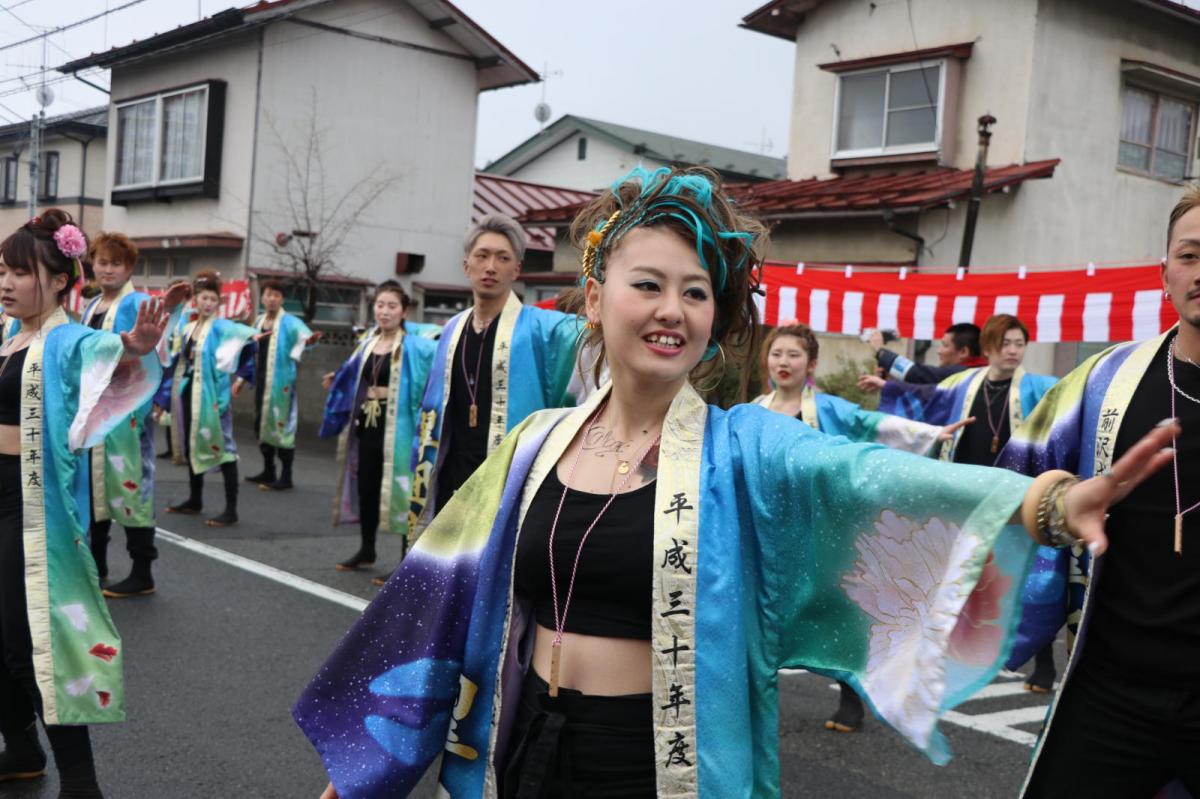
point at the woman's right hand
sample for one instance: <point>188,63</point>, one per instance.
<point>330,792</point>
<point>327,380</point>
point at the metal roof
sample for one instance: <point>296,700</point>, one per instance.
<point>783,18</point>
<point>496,65</point>
<point>729,162</point>
<point>907,191</point>
<point>495,194</point>
<point>89,120</point>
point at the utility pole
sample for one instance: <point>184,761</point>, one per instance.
<point>45,96</point>
<point>985,137</point>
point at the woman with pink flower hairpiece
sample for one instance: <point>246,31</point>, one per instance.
<point>63,387</point>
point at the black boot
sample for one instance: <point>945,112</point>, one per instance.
<point>284,483</point>
<point>23,757</point>
<point>849,715</point>
<point>140,582</point>
<point>1041,680</point>
<point>267,475</point>
<point>74,762</point>
<point>195,501</point>
<point>98,542</point>
<point>229,516</point>
<point>365,556</point>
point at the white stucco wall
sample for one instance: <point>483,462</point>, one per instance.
<point>995,79</point>
<point>70,183</point>
<point>560,165</point>
<point>233,60</point>
<point>382,110</point>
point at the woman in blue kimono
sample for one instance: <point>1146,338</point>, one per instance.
<point>605,604</point>
<point>63,387</point>
<point>199,396</point>
<point>373,406</point>
<point>789,358</point>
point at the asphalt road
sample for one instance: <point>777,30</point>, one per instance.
<point>215,659</point>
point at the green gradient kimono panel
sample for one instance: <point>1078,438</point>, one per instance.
<point>74,389</point>
<point>284,348</point>
<point>122,466</point>
<point>217,344</point>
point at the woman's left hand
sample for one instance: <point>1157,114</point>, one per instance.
<point>175,295</point>
<point>147,328</point>
<point>1087,502</point>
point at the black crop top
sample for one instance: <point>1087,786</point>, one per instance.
<point>613,584</point>
<point>382,362</point>
<point>10,386</point>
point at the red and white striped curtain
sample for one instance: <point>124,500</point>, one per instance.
<point>235,298</point>
<point>1084,304</point>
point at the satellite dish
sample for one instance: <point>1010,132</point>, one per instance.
<point>541,112</point>
<point>45,96</point>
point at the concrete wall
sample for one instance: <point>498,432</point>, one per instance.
<point>233,60</point>
<point>560,165</point>
<point>857,240</point>
<point>382,111</point>
<point>995,79</point>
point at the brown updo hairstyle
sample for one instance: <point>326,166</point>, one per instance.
<point>208,280</point>
<point>732,238</point>
<point>808,340</point>
<point>32,247</point>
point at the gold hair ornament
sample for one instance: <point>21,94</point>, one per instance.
<point>592,248</point>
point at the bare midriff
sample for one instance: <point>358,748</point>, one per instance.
<point>595,665</point>
<point>10,439</point>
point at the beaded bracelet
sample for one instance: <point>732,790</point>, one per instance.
<point>1052,514</point>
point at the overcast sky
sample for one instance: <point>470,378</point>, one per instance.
<point>662,65</point>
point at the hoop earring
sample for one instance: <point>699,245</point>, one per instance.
<point>719,373</point>
<point>583,373</point>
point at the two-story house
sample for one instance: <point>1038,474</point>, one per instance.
<point>587,154</point>
<point>233,135</point>
<point>71,173</point>
<point>1098,98</point>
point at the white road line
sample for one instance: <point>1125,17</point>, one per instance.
<point>263,570</point>
<point>999,724</point>
<point>998,689</point>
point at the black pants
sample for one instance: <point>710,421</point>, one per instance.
<point>139,541</point>
<point>370,478</point>
<point>575,745</point>
<point>20,699</point>
<point>1117,736</point>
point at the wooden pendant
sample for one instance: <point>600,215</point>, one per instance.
<point>995,444</point>
<point>1178,533</point>
<point>555,650</point>
<point>473,421</point>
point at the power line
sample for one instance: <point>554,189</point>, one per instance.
<point>16,5</point>
<point>70,25</point>
<point>9,10</point>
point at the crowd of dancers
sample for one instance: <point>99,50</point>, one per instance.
<point>601,573</point>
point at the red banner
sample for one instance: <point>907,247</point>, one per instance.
<point>1089,304</point>
<point>235,299</point>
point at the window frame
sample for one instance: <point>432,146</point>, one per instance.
<point>1193,139</point>
<point>46,191</point>
<point>884,151</point>
<point>13,163</point>
<point>207,183</point>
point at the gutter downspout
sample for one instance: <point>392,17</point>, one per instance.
<point>82,175</point>
<point>254,156</point>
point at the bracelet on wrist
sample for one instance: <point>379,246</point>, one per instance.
<point>1052,514</point>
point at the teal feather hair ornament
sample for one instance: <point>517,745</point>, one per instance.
<point>684,199</point>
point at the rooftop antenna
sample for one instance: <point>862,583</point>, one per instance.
<point>541,111</point>
<point>764,144</point>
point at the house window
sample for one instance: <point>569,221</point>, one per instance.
<point>1157,132</point>
<point>337,305</point>
<point>49,175</point>
<point>889,110</point>
<point>11,165</point>
<point>169,144</point>
<point>166,267</point>
<point>581,149</point>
